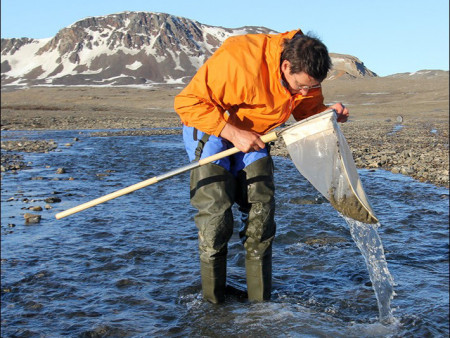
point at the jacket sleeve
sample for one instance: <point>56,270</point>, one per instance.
<point>215,88</point>
<point>309,106</point>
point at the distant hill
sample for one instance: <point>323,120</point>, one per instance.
<point>129,48</point>
<point>424,74</point>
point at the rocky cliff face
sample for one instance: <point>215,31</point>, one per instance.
<point>347,66</point>
<point>125,49</point>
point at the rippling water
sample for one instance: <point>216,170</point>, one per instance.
<point>129,267</point>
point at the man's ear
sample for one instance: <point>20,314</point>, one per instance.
<point>286,67</point>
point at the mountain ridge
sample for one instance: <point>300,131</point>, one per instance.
<point>129,48</point>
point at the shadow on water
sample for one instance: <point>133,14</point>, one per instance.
<point>129,267</point>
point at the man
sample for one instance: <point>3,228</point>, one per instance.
<point>251,85</point>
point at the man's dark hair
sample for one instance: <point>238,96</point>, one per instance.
<point>307,54</point>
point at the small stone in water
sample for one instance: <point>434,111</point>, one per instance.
<point>32,218</point>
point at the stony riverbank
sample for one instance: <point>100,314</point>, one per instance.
<point>416,150</point>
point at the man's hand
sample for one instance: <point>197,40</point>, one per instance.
<point>341,111</point>
<point>244,140</point>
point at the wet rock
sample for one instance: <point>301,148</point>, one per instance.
<point>61,171</point>
<point>35,208</point>
<point>48,206</point>
<point>126,282</point>
<point>320,199</point>
<point>301,201</point>
<point>29,146</point>
<point>407,170</point>
<point>12,162</point>
<point>374,164</point>
<point>32,305</point>
<point>32,218</point>
<point>52,200</point>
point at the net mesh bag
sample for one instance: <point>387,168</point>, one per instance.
<point>321,154</point>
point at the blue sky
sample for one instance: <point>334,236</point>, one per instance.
<point>389,36</point>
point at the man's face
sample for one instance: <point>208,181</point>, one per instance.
<point>299,83</point>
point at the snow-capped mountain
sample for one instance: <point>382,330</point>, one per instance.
<point>128,48</point>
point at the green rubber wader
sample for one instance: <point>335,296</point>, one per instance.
<point>212,193</point>
<point>256,198</point>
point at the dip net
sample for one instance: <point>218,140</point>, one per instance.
<point>321,154</point>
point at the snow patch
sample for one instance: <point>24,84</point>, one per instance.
<point>420,72</point>
<point>170,80</point>
<point>135,65</point>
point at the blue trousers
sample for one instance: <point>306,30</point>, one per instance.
<point>215,144</point>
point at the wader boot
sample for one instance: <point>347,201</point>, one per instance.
<point>213,276</point>
<point>257,199</point>
<point>212,193</point>
<point>259,277</point>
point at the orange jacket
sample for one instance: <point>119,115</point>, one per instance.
<point>241,84</point>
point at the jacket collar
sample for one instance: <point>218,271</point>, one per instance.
<point>273,56</point>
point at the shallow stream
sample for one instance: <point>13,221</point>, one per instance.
<point>130,267</point>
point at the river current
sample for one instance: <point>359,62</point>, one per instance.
<point>129,267</point>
